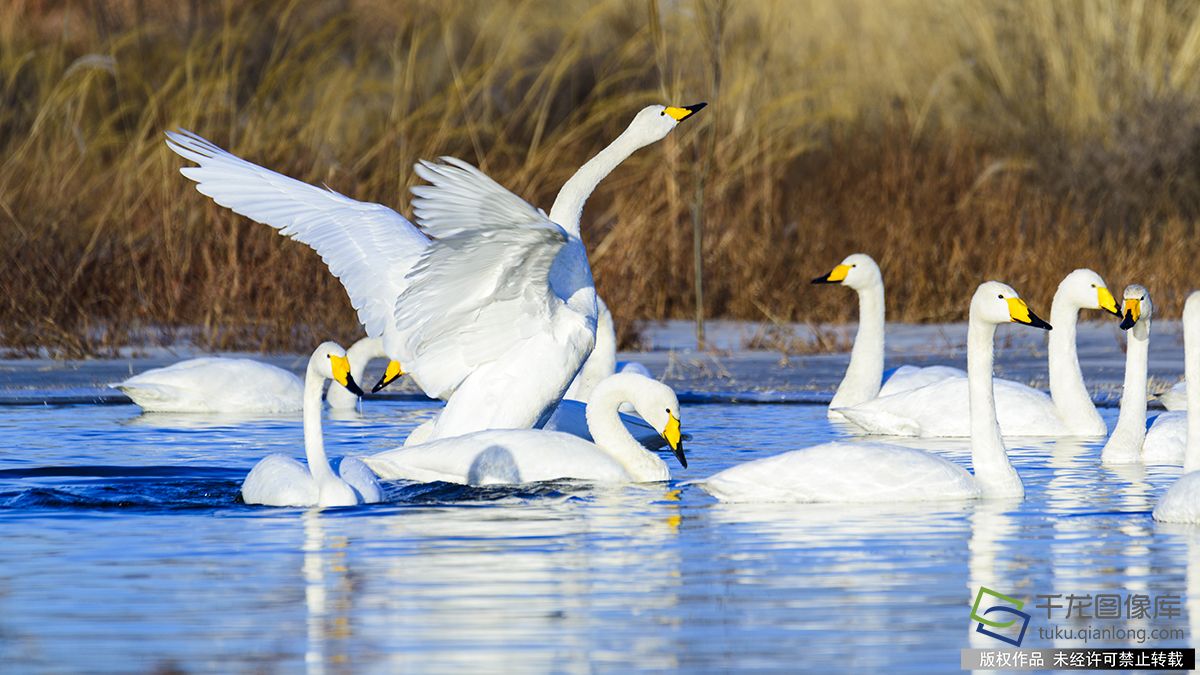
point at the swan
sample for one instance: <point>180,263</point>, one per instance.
<point>215,384</point>
<point>1175,398</point>
<point>1130,441</point>
<point>279,480</point>
<point>1181,503</point>
<point>878,472</point>
<point>501,296</point>
<point>940,409</point>
<point>507,456</point>
<point>865,374</point>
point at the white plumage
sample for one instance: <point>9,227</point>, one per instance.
<point>1181,503</point>
<point>875,472</point>
<point>279,480</point>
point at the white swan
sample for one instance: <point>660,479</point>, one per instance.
<point>940,409</point>
<point>864,378</point>
<point>217,384</point>
<point>1175,398</point>
<point>501,282</point>
<point>1165,440</point>
<point>877,472</point>
<point>279,480</point>
<point>506,456</point>
<point>1181,503</point>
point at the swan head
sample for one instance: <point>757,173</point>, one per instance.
<point>658,405</point>
<point>654,122</point>
<point>998,303</point>
<point>330,362</point>
<point>1084,289</point>
<point>858,271</point>
<point>1136,306</point>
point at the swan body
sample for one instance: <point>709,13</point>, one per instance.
<point>941,408</point>
<point>1175,398</point>
<point>1166,439</point>
<point>864,374</point>
<point>1181,503</point>
<point>500,302</point>
<point>215,384</point>
<point>279,480</point>
<point>877,472</point>
<point>508,456</point>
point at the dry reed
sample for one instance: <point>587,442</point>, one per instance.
<point>952,140</point>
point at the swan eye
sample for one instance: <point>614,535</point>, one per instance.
<point>1093,285</point>
<point>1001,296</point>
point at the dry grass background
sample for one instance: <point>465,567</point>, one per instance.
<point>952,139</point>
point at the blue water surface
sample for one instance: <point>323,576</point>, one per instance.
<point>123,547</point>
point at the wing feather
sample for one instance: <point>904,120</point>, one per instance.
<point>367,246</point>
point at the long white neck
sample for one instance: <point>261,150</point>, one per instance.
<point>1191,373</point>
<point>611,436</point>
<point>360,354</point>
<point>865,372</point>
<point>1125,444</point>
<point>568,205</point>
<point>314,442</point>
<point>1070,394</point>
<point>994,474</point>
<point>601,363</point>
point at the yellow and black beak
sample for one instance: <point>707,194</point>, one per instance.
<point>393,373</point>
<point>341,374</point>
<point>1107,302</point>
<point>1019,312</point>
<point>675,438</point>
<point>837,276</point>
<point>1133,312</point>
<point>680,114</point>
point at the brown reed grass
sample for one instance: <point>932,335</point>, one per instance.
<point>954,141</point>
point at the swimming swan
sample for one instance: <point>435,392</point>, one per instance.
<point>878,472</point>
<point>1130,441</point>
<point>1181,503</point>
<point>506,456</point>
<point>494,286</point>
<point>864,379</point>
<point>217,384</point>
<point>279,480</point>
<point>940,409</point>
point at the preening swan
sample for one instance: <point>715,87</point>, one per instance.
<point>505,456</point>
<point>227,385</point>
<point>1130,441</point>
<point>940,409</point>
<point>279,480</point>
<point>864,375</point>
<point>1175,398</point>
<point>473,292</point>
<point>877,472</point>
<point>1181,503</point>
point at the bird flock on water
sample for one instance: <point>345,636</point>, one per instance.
<point>487,302</point>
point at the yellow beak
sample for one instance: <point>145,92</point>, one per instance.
<point>1133,312</point>
<point>393,372</point>
<point>1107,302</point>
<point>1019,312</point>
<point>340,365</point>
<point>675,439</point>
<point>680,114</point>
<point>838,275</point>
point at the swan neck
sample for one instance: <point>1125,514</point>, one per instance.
<point>568,205</point>
<point>1071,398</point>
<point>1125,444</point>
<point>864,374</point>
<point>1191,373</point>
<point>314,442</point>
<point>611,436</point>
<point>994,474</point>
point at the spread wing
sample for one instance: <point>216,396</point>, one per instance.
<point>482,287</point>
<point>368,247</point>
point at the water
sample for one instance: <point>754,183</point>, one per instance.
<point>123,547</point>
